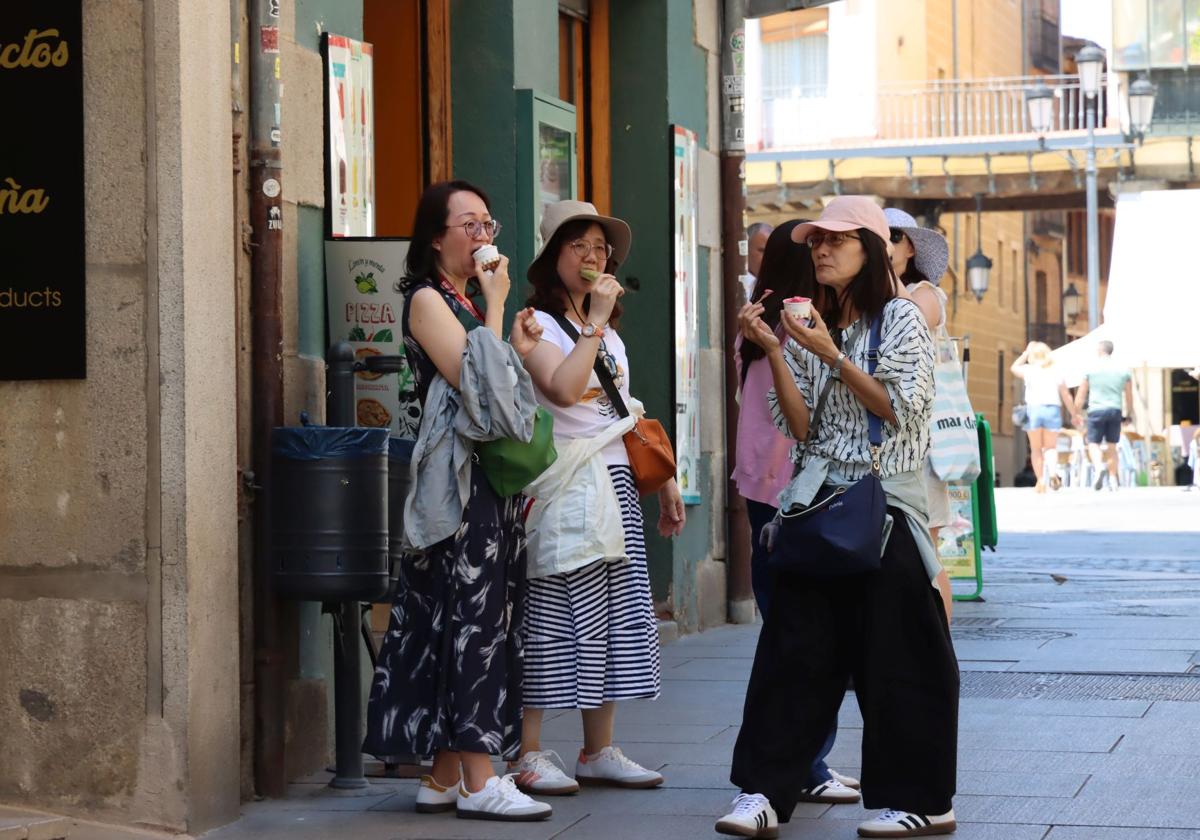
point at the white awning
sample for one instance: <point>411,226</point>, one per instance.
<point>1152,310</point>
<point>1075,359</point>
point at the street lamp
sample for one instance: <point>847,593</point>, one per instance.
<point>979,267</point>
<point>1141,106</point>
<point>1090,61</point>
<point>1070,303</point>
<point>1040,102</point>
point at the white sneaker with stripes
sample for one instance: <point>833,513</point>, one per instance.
<point>893,823</point>
<point>848,781</point>
<point>432,798</point>
<point>499,799</point>
<point>750,815</point>
<point>539,772</point>
<point>610,766</point>
<point>831,792</point>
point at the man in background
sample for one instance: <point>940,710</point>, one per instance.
<point>756,242</point>
<point>1106,391</point>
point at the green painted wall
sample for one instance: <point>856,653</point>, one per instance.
<point>341,17</point>
<point>658,79</point>
<point>535,33</point>
<point>310,271</point>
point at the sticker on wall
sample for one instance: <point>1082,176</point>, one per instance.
<point>270,188</point>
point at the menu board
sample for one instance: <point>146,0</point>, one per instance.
<point>350,138</point>
<point>42,314</point>
<point>684,160</point>
<point>365,309</point>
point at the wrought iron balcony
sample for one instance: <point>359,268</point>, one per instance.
<point>959,108</point>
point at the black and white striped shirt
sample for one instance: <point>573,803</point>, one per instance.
<point>906,370</point>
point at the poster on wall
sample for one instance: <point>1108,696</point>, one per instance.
<point>686,258</point>
<point>365,309</point>
<point>43,320</point>
<point>350,136</point>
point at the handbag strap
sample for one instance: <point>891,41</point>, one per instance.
<point>874,423</point>
<point>606,380</point>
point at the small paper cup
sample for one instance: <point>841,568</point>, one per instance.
<point>798,308</point>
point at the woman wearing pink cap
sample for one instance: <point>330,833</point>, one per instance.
<point>886,627</point>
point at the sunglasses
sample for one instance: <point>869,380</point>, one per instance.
<point>834,239</point>
<point>896,235</point>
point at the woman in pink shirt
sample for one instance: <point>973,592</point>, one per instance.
<point>764,462</point>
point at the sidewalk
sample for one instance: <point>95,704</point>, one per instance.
<point>1080,715</point>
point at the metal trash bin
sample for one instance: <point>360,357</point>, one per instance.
<point>329,513</point>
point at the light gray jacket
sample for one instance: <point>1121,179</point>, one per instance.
<point>495,399</point>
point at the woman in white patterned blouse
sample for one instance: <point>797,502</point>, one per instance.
<point>886,628</point>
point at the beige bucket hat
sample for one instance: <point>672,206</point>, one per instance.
<point>556,215</point>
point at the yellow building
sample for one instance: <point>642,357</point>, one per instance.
<point>923,104</point>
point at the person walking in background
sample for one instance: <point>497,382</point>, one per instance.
<point>764,460</point>
<point>448,678</point>
<point>919,258</point>
<point>1045,395</point>
<point>591,636</point>
<point>1106,391</point>
<point>885,627</point>
<point>756,242</point>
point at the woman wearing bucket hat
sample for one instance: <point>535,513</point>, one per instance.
<point>885,627</point>
<point>919,258</point>
<point>591,636</point>
<point>429,697</point>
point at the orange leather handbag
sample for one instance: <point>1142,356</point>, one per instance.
<point>651,455</point>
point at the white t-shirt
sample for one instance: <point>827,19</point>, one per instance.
<point>593,413</point>
<point>1041,385</point>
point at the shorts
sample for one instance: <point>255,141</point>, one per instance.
<point>1047,417</point>
<point>1104,426</point>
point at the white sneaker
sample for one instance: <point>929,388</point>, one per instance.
<point>610,766</point>
<point>432,798</point>
<point>751,815</point>
<point>903,824</point>
<point>499,799</point>
<point>832,792</point>
<point>540,772</point>
<point>848,781</point>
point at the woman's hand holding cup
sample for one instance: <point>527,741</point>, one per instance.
<point>494,284</point>
<point>816,339</point>
<point>605,292</point>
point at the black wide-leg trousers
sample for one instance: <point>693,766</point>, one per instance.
<point>888,630</point>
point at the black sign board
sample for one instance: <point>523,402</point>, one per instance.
<point>42,315</point>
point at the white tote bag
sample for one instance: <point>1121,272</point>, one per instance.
<point>953,439</point>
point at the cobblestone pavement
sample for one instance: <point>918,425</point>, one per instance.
<point>1080,717</point>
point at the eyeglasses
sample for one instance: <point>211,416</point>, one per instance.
<point>896,235</point>
<point>476,228</point>
<point>582,248</point>
<point>834,239</point>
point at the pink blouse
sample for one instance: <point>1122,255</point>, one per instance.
<point>764,464</point>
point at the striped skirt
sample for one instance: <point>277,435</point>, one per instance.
<point>590,634</point>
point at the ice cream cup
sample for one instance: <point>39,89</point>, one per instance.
<point>798,307</point>
<point>487,256</point>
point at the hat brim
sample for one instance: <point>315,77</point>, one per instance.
<point>800,233</point>
<point>932,254</point>
<point>616,232</point>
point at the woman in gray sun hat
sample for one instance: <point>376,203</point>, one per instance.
<point>919,258</point>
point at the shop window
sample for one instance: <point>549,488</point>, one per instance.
<point>1192,30</point>
<point>1131,32</point>
<point>1167,47</point>
<point>1041,313</point>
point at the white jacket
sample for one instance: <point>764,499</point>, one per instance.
<point>575,518</point>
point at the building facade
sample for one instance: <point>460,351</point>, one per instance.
<point>133,645</point>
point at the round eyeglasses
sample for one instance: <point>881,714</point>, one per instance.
<point>475,228</point>
<point>582,248</point>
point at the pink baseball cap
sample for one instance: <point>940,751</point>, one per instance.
<point>847,212</point>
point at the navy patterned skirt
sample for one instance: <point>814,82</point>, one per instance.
<point>449,669</point>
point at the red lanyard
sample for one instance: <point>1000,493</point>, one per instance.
<point>465,301</point>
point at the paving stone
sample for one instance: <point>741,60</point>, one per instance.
<point>1055,785</point>
<point>1069,832</point>
<point>736,671</point>
<point>1131,813</point>
<point>1056,708</point>
<point>1151,788</point>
